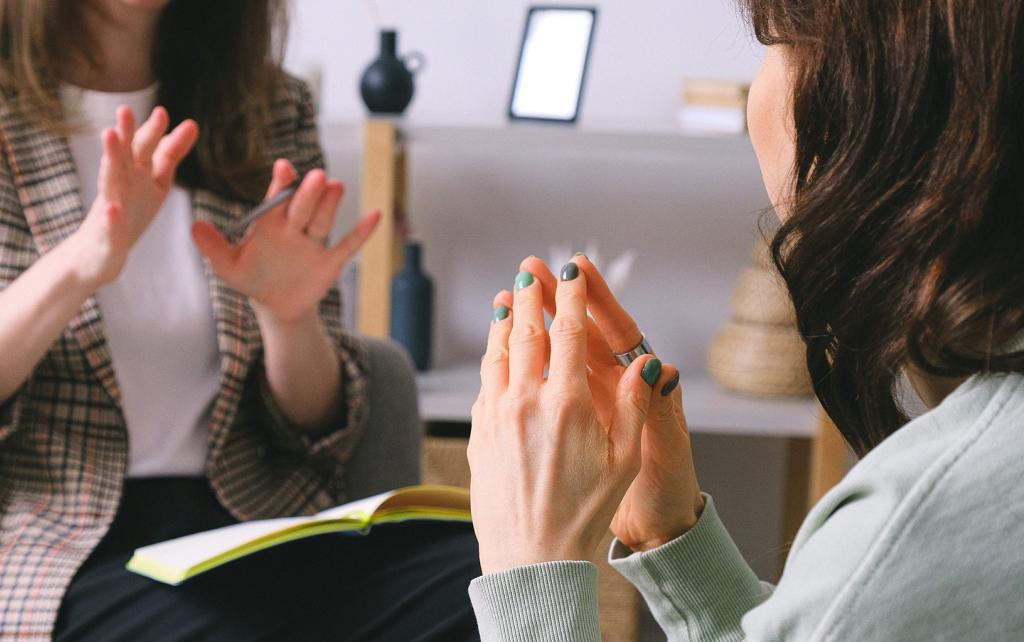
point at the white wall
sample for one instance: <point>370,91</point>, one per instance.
<point>642,51</point>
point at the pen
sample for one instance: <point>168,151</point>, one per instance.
<point>239,228</point>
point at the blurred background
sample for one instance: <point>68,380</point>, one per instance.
<point>680,207</point>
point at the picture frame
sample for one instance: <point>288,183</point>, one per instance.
<point>551,70</point>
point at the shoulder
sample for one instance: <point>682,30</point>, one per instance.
<point>292,133</point>
<point>890,551</point>
<point>951,555</point>
<point>292,106</point>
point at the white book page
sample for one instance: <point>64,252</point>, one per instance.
<point>359,509</point>
<point>185,552</point>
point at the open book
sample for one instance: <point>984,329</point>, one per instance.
<point>177,560</point>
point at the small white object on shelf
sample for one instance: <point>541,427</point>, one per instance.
<point>714,107</point>
<point>696,119</point>
<point>616,273</point>
<point>448,394</point>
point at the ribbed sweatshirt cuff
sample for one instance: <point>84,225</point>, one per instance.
<point>550,601</point>
<point>698,582</point>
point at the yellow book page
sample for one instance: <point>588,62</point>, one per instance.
<point>163,569</point>
<point>424,502</point>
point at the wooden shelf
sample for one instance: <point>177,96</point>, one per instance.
<point>536,138</point>
<point>448,395</point>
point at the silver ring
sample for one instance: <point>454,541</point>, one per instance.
<point>627,358</point>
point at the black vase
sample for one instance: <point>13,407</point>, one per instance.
<point>412,308</point>
<point>387,84</point>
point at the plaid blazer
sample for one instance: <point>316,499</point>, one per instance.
<point>63,439</point>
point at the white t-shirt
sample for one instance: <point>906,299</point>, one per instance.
<point>157,315</point>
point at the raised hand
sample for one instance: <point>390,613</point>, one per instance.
<point>136,173</point>
<point>664,500</point>
<point>283,263</point>
<point>550,457</point>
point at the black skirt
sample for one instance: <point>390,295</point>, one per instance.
<point>401,582</point>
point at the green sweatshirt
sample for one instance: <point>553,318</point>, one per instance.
<point>922,540</point>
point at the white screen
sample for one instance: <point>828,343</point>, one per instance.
<point>551,69</point>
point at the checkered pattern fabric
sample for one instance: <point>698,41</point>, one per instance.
<point>63,439</point>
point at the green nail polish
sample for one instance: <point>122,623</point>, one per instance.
<point>523,280</point>
<point>670,386</point>
<point>570,271</point>
<point>651,372</point>
<point>500,313</point>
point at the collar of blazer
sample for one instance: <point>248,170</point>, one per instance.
<point>44,175</point>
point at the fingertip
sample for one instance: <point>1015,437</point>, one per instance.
<point>571,272</point>
<point>650,372</point>
<point>669,381</point>
<point>501,313</point>
<point>315,176</point>
<point>581,259</point>
<point>502,298</point>
<point>187,128</point>
<point>191,126</point>
<point>159,117</point>
<point>647,368</point>
<point>332,192</point>
<point>283,170</point>
<point>531,264</point>
<point>523,280</point>
<point>109,137</point>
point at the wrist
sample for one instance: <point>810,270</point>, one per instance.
<point>685,524</point>
<point>277,324</point>
<point>79,266</point>
<point>504,562</point>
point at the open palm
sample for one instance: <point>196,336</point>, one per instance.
<point>136,173</point>
<point>283,263</point>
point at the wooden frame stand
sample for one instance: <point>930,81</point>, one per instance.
<point>383,189</point>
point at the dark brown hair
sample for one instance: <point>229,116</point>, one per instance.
<point>217,62</point>
<point>903,245</point>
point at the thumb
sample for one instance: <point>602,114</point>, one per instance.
<point>633,401</point>
<point>664,417</point>
<point>214,247</point>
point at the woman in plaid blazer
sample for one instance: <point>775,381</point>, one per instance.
<point>291,401</point>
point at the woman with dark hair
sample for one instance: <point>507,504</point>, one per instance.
<point>890,142</point>
<point>146,393</point>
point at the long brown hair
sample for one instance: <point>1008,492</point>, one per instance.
<point>218,62</point>
<point>903,247</point>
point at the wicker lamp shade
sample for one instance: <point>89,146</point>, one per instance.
<point>759,350</point>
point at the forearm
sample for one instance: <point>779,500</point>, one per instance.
<point>303,371</point>
<point>34,310</point>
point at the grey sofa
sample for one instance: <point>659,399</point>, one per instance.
<point>388,455</point>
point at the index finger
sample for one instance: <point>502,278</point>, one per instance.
<point>599,353</point>
<point>125,126</point>
<point>619,329</point>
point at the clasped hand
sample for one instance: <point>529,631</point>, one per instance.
<point>557,459</point>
